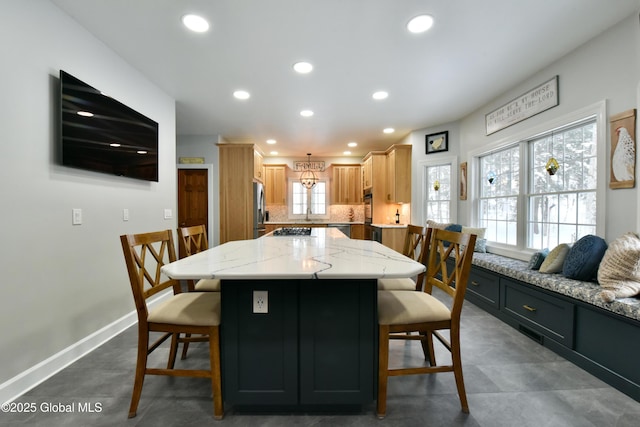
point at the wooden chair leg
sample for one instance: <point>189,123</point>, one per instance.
<point>383,367</point>
<point>457,369</point>
<point>216,377</point>
<point>427,347</point>
<point>185,347</point>
<point>173,351</point>
<point>141,366</point>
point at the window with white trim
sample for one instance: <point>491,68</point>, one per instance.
<point>499,190</point>
<point>309,203</point>
<point>437,202</point>
<point>522,205</point>
<point>562,206</point>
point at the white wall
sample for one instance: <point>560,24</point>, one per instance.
<point>61,283</point>
<point>605,68</point>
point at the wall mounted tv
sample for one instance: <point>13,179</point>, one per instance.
<point>101,134</point>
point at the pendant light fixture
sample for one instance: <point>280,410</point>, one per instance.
<point>307,178</point>
<point>436,185</point>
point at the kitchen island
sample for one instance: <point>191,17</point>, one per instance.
<point>299,317</point>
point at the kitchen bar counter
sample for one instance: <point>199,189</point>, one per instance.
<point>299,318</point>
<point>326,254</point>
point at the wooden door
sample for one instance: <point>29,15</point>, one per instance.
<point>193,198</point>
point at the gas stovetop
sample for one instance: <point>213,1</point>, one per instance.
<point>293,231</point>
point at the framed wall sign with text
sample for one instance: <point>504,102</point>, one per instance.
<point>437,142</point>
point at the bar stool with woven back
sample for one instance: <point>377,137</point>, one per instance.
<point>193,240</point>
<point>416,247</point>
<point>181,313</point>
<point>400,312</point>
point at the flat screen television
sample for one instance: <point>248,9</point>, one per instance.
<point>99,133</point>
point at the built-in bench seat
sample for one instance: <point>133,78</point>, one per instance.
<point>583,291</point>
<point>567,316</point>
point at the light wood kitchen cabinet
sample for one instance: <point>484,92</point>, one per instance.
<point>394,238</point>
<point>268,228</point>
<point>367,173</point>
<point>346,185</point>
<point>375,164</point>
<point>237,174</point>
<point>357,231</point>
<point>258,173</point>
<point>398,185</point>
<point>275,184</point>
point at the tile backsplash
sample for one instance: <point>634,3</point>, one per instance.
<point>338,213</point>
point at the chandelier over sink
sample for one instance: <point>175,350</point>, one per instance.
<point>307,178</point>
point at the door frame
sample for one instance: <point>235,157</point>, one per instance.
<point>212,236</point>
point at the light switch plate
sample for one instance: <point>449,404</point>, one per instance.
<point>125,214</point>
<point>76,217</point>
<point>168,214</point>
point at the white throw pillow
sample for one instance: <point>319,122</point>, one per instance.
<point>555,260</point>
<point>619,272</point>
<point>441,225</point>
<point>475,230</point>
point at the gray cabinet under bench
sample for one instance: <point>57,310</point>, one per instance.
<point>602,341</point>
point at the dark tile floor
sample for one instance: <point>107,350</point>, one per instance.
<point>510,380</point>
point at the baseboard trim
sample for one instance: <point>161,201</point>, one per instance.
<point>25,381</point>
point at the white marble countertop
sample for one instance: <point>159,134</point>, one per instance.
<point>380,225</point>
<point>326,254</point>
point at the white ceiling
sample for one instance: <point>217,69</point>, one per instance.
<point>475,51</point>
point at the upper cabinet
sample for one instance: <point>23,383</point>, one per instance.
<point>398,185</point>
<point>346,185</point>
<point>367,173</point>
<point>275,183</point>
<point>258,173</point>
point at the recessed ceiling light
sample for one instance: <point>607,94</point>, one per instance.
<point>141,152</point>
<point>380,95</point>
<point>306,113</point>
<point>303,67</point>
<point>85,114</point>
<point>271,141</point>
<point>195,23</point>
<point>274,153</point>
<point>241,94</point>
<point>352,144</point>
<point>388,130</point>
<point>346,153</point>
<point>420,24</point>
<point>115,145</point>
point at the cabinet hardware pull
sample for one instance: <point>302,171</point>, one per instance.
<point>474,283</point>
<point>528,308</point>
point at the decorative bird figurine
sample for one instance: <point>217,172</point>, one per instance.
<point>624,156</point>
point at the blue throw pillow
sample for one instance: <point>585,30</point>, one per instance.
<point>584,258</point>
<point>537,258</point>
<point>453,227</point>
<point>481,245</point>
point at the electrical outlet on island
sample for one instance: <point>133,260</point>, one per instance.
<point>260,302</point>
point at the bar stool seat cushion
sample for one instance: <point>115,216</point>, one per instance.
<point>189,308</point>
<point>208,285</point>
<point>401,308</point>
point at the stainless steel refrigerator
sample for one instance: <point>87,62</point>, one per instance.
<point>259,209</point>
